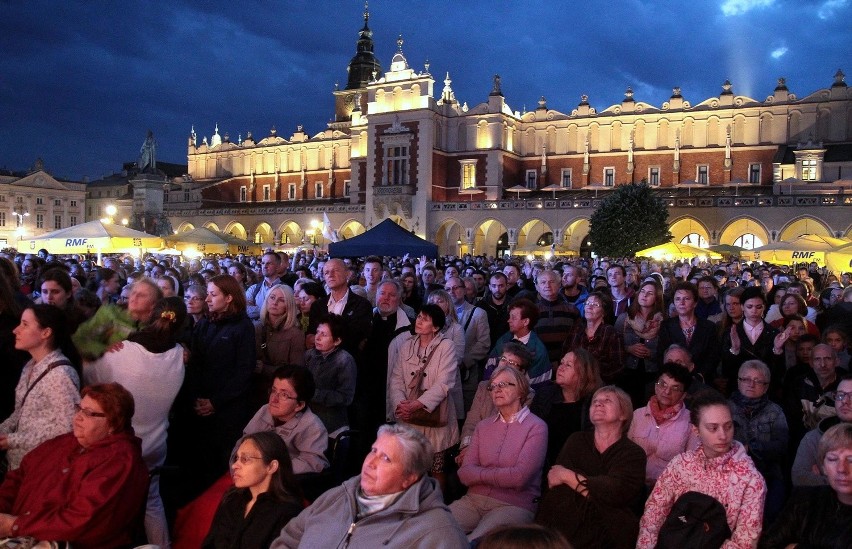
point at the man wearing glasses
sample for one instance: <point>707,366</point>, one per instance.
<point>806,470</point>
<point>477,336</point>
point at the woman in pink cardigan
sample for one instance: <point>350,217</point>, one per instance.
<point>503,464</point>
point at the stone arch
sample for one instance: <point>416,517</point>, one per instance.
<point>212,226</point>
<point>262,234</point>
<point>184,227</point>
<point>736,228</point>
<point>805,224</point>
<point>686,226</point>
<point>237,229</point>
<point>530,232</point>
<point>289,232</point>
<point>575,234</point>
<point>485,237</point>
<point>447,237</point>
<point>351,228</point>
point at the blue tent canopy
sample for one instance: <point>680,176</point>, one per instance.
<point>386,238</point>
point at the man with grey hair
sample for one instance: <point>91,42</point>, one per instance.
<point>392,502</point>
<point>477,336</point>
<point>806,470</point>
<point>389,320</point>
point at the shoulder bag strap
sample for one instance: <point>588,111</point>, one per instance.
<point>39,378</point>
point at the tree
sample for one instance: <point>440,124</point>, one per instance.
<point>630,219</point>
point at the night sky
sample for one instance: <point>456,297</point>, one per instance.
<point>82,82</point>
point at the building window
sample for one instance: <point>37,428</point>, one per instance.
<point>754,174</point>
<point>2,219</point>
<point>809,170</point>
<point>654,176</point>
<point>267,193</point>
<point>73,220</point>
<point>39,200</point>
<point>166,196</point>
<point>73,203</point>
<point>57,221</point>
<point>609,177</point>
<point>318,190</point>
<point>748,241</point>
<point>347,187</point>
<point>89,212</point>
<point>703,174</point>
<point>19,199</point>
<point>396,166</point>
<point>2,198</point>
<point>567,178</point>
<point>39,221</point>
<point>468,174</point>
<point>291,191</point>
<point>532,175</point>
<point>57,203</point>
<point>186,195</point>
<point>243,194</point>
<point>694,239</point>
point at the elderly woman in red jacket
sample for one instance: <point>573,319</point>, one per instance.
<point>87,487</point>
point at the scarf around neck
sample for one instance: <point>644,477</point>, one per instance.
<point>662,415</point>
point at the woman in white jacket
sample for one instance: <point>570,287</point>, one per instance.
<point>149,365</point>
<point>406,357</point>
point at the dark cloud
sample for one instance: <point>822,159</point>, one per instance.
<point>81,82</point>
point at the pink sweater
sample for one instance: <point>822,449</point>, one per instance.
<point>505,460</point>
<point>730,478</point>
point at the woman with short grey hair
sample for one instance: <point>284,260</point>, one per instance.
<point>392,502</point>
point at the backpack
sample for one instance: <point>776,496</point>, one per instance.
<point>697,521</point>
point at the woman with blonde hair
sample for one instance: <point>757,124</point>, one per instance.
<point>279,340</point>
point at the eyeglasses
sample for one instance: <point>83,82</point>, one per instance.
<point>512,363</point>
<point>280,395</point>
<point>191,298</point>
<point>244,459</point>
<point>841,396</point>
<point>751,381</point>
<point>501,385</point>
<point>666,387</point>
<point>88,413</point>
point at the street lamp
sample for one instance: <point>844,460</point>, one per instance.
<point>20,212</point>
<point>110,210</point>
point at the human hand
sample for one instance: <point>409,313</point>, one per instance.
<point>6,523</point>
<point>639,350</point>
<point>735,340</point>
<point>203,407</point>
<point>4,442</point>
<point>115,347</point>
<point>460,457</point>
<point>556,476</point>
<point>781,338</point>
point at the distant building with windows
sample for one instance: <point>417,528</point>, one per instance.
<point>486,178</point>
<point>34,202</point>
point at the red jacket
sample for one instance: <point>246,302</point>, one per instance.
<point>91,498</point>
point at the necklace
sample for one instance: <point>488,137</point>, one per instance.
<point>688,328</point>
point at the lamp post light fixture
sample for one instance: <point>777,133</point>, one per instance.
<point>20,212</point>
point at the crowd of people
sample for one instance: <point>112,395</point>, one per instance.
<point>568,402</point>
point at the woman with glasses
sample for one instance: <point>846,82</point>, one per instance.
<point>662,427</point>
<point>426,361</point>
<point>48,386</point>
<point>85,487</point>
<point>264,498</point>
<point>597,478</point>
<point>760,425</point>
<point>195,299</point>
<point>514,355</point>
<point>150,365</point>
<point>598,336</point>
<point>502,466</point>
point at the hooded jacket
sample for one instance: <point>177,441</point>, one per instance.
<point>418,519</point>
<point>730,478</point>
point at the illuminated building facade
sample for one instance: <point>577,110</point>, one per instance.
<point>489,179</point>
